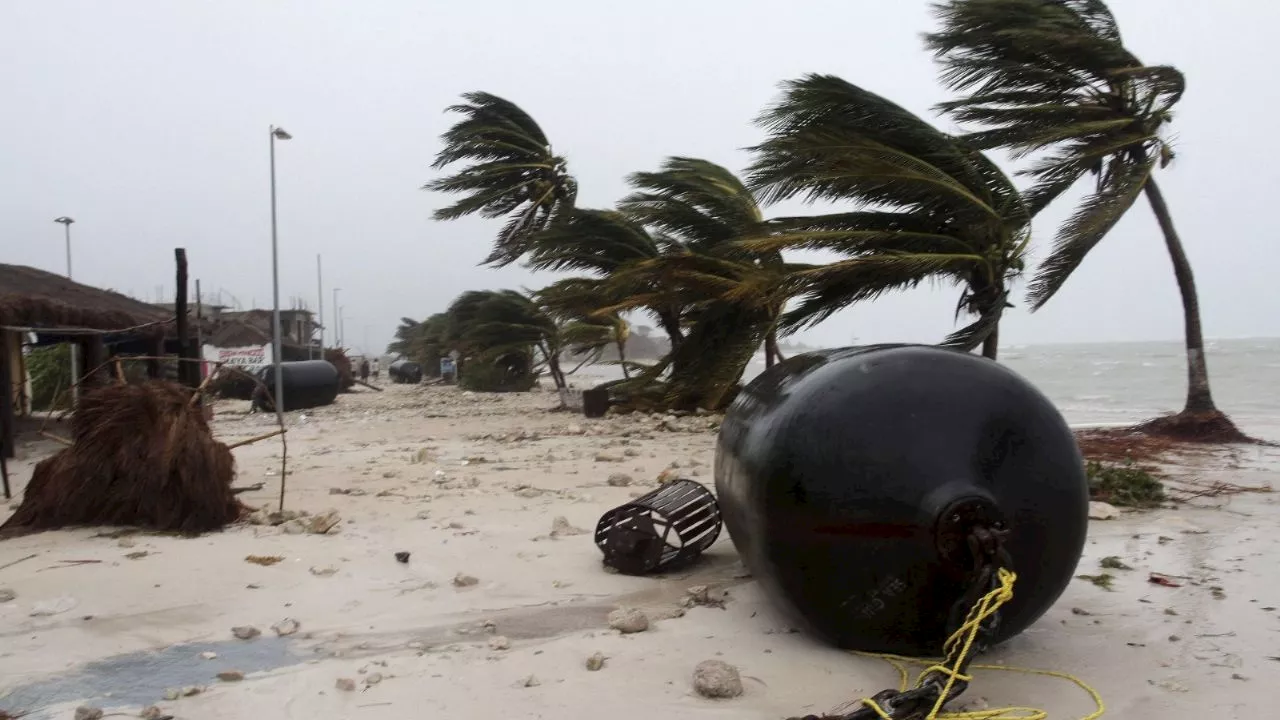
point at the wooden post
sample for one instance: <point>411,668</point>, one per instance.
<point>93,352</point>
<point>199,349</point>
<point>155,370</point>
<point>184,329</point>
<point>6,405</point>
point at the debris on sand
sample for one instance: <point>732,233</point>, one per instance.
<point>141,455</point>
<point>499,642</point>
<point>7,595</point>
<point>152,712</point>
<point>700,596</point>
<point>619,480</point>
<point>322,523</point>
<point>245,632</point>
<point>402,557</point>
<point>88,712</point>
<point>1102,511</point>
<point>345,684</point>
<point>717,679</point>
<point>595,662</point>
<point>1126,485</point>
<point>560,527</point>
<point>286,627</point>
<point>1103,580</point>
<point>1112,562</point>
<point>628,620</point>
<point>230,676</point>
<point>462,580</point>
<point>264,560</point>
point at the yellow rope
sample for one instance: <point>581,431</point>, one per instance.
<point>957,648</point>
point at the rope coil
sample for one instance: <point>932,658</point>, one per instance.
<point>956,651</point>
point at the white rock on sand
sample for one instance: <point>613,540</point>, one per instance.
<point>717,679</point>
<point>556,597</point>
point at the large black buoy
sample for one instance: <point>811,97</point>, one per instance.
<point>847,479</point>
<point>307,384</point>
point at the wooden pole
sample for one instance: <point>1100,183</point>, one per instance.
<point>7,419</point>
<point>180,309</point>
<point>199,351</point>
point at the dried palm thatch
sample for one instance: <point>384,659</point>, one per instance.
<point>142,455</point>
<point>338,358</point>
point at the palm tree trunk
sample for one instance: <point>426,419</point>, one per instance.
<point>622,358</point>
<point>771,353</point>
<point>991,345</point>
<point>1199,399</point>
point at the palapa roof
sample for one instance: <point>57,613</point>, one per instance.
<point>38,299</point>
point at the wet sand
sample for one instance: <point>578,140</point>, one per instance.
<point>473,484</point>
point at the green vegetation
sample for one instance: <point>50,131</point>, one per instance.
<point>1126,485</point>
<point>50,370</point>
<point>1102,580</point>
<point>692,248</point>
<point>1113,562</point>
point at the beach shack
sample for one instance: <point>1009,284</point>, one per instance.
<point>40,308</point>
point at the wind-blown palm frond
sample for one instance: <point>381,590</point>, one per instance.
<point>697,202</point>
<point>513,173</point>
<point>1093,219</point>
<point>595,241</point>
<point>926,205</point>
<point>1054,76</point>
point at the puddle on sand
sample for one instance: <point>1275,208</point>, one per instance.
<point>140,678</point>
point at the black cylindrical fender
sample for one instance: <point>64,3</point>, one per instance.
<point>844,477</point>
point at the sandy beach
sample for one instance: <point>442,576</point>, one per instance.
<point>495,615</point>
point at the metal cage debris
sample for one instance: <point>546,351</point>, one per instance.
<point>666,528</point>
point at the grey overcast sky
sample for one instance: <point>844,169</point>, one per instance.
<point>146,120</point>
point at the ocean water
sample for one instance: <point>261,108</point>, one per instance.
<point>1118,383</point>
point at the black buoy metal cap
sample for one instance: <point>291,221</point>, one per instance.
<point>849,480</point>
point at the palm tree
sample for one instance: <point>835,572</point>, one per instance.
<point>925,205</point>
<point>502,329</point>
<point>423,342</point>
<point>513,173</point>
<point>601,243</point>
<point>585,330</point>
<point>706,208</point>
<point>1054,76</point>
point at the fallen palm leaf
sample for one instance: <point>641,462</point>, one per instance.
<point>263,560</point>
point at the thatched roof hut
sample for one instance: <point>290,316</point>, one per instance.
<point>31,298</point>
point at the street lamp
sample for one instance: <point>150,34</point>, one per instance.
<point>337,333</point>
<point>66,222</point>
<point>66,226</point>
<point>277,353</point>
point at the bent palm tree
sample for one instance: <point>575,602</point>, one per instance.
<point>603,242</point>
<point>706,209</point>
<point>513,173</point>
<point>926,206</point>
<point>503,328</point>
<point>1055,76</point>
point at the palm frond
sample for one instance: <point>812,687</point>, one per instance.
<point>513,173</point>
<point>1095,217</point>
<point>831,140</point>
<point>697,202</point>
<point>595,241</point>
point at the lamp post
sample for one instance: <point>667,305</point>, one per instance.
<point>277,355</point>
<point>66,222</point>
<point>337,330</point>
<point>320,309</point>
